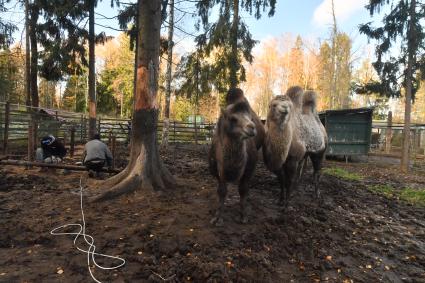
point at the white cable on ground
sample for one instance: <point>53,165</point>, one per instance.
<point>91,254</point>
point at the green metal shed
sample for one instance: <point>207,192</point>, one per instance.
<point>349,130</point>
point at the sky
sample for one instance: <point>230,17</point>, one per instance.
<point>309,18</point>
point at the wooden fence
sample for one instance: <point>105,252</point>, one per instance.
<point>72,128</point>
<point>387,138</point>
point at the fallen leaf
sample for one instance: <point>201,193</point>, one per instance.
<point>387,267</point>
<point>2,274</point>
<point>329,257</point>
<point>139,253</point>
<point>368,266</point>
<point>60,271</point>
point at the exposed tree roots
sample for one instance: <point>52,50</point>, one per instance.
<point>145,171</point>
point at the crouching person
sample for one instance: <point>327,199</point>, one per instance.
<point>96,156</point>
<point>51,150</point>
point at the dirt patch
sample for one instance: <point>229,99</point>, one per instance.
<point>351,234</point>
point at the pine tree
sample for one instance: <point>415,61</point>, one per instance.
<point>403,27</point>
<point>6,28</point>
<point>229,37</point>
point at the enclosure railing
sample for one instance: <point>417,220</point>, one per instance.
<point>387,138</point>
<point>72,128</point>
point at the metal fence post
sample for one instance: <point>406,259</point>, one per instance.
<point>174,131</point>
<point>57,123</point>
<point>98,126</point>
<point>196,132</point>
<point>6,127</point>
<point>114,148</point>
<point>72,142</point>
<point>81,128</point>
<point>389,133</point>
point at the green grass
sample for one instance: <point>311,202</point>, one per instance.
<point>385,190</point>
<point>342,173</point>
<point>412,196</point>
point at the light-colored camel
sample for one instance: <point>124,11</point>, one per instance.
<point>293,133</point>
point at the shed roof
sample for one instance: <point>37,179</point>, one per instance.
<point>348,111</point>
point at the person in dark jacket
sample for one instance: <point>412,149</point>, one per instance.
<point>51,150</point>
<point>96,155</point>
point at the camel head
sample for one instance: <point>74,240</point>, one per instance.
<point>280,109</point>
<point>238,122</point>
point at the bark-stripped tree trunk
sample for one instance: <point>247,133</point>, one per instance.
<point>169,70</point>
<point>145,169</point>
<point>92,79</point>
<point>234,68</point>
<point>409,77</point>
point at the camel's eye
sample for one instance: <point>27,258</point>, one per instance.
<point>233,120</point>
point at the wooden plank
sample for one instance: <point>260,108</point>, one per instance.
<point>51,165</point>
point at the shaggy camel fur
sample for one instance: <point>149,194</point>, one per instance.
<point>233,154</point>
<point>293,133</point>
<point>314,135</point>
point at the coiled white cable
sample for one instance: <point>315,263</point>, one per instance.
<point>91,252</point>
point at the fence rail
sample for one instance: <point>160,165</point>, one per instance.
<point>72,128</point>
<point>15,121</point>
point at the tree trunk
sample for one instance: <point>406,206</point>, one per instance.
<point>166,126</point>
<point>28,78</point>
<point>34,55</point>
<point>92,78</point>
<point>409,77</point>
<point>32,127</point>
<point>234,67</point>
<point>145,169</point>
<point>334,94</point>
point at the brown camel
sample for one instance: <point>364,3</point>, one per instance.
<point>235,95</point>
<point>233,154</point>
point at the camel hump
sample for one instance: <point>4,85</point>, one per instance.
<point>310,100</point>
<point>295,93</point>
<point>234,95</point>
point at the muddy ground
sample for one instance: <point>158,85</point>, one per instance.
<point>351,235</point>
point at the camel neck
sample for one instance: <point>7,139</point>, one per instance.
<point>234,147</point>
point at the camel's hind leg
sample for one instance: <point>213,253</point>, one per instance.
<point>317,161</point>
<point>222,192</point>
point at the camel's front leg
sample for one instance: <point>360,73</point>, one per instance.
<point>222,192</point>
<point>243,193</point>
